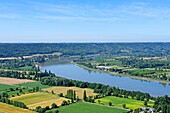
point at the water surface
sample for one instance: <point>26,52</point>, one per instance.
<point>74,72</point>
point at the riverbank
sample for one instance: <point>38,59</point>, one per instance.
<point>125,75</point>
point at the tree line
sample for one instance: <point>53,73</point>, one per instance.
<point>130,49</point>
<point>4,99</point>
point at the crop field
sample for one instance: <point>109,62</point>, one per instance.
<point>116,101</point>
<point>79,91</point>
<point>11,81</point>
<point>5,86</point>
<point>34,84</point>
<point>6,108</point>
<point>82,107</point>
<point>42,99</point>
<point>57,101</point>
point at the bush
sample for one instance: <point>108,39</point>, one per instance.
<point>56,111</point>
<point>42,110</point>
<point>47,108</point>
<point>110,104</point>
<point>124,105</point>
<point>54,105</point>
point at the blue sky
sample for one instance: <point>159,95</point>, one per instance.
<point>84,20</point>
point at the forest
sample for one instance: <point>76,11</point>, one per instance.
<point>130,49</point>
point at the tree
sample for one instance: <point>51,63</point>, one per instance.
<point>110,104</point>
<point>52,92</point>
<point>64,103</point>
<point>145,103</point>
<point>4,94</point>
<point>84,95</point>
<point>37,88</point>
<point>53,105</point>
<point>56,111</point>
<point>47,108</point>
<point>42,110</point>
<point>74,95</point>
<point>99,101</point>
<point>20,90</point>
<point>70,94</point>
<point>124,105</point>
<point>37,108</point>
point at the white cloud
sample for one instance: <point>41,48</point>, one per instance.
<point>146,9</point>
<point>84,12</point>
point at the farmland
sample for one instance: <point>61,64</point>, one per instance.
<point>11,81</point>
<point>79,91</point>
<point>34,84</point>
<point>28,80</point>
<point>6,108</point>
<point>116,101</point>
<point>42,99</point>
<point>81,107</point>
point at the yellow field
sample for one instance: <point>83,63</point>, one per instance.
<point>79,91</point>
<point>58,101</point>
<point>6,108</point>
<point>42,99</point>
<point>11,81</point>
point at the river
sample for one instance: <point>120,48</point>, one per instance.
<point>75,72</point>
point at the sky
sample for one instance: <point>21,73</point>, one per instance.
<point>84,21</point>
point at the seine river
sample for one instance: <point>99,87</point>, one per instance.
<point>74,72</point>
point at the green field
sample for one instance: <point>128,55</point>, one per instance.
<point>116,101</point>
<point>26,68</point>
<point>18,91</point>
<point>34,97</point>
<point>81,107</point>
<point>4,87</point>
<point>34,84</point>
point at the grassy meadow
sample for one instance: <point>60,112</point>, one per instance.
<point>6,87</point>
<point>34,84</point>
<point>116,101</point>
<point>82,107</point>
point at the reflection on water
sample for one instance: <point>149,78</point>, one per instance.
<point>72,71</point>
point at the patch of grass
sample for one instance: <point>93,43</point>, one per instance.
<point>117,101</point>
<point>26,68</point>
<point>6,87</point>
<point>34,84</point>
<point>10,93</point>
<point>6,108</point>
<point>82,107</point>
